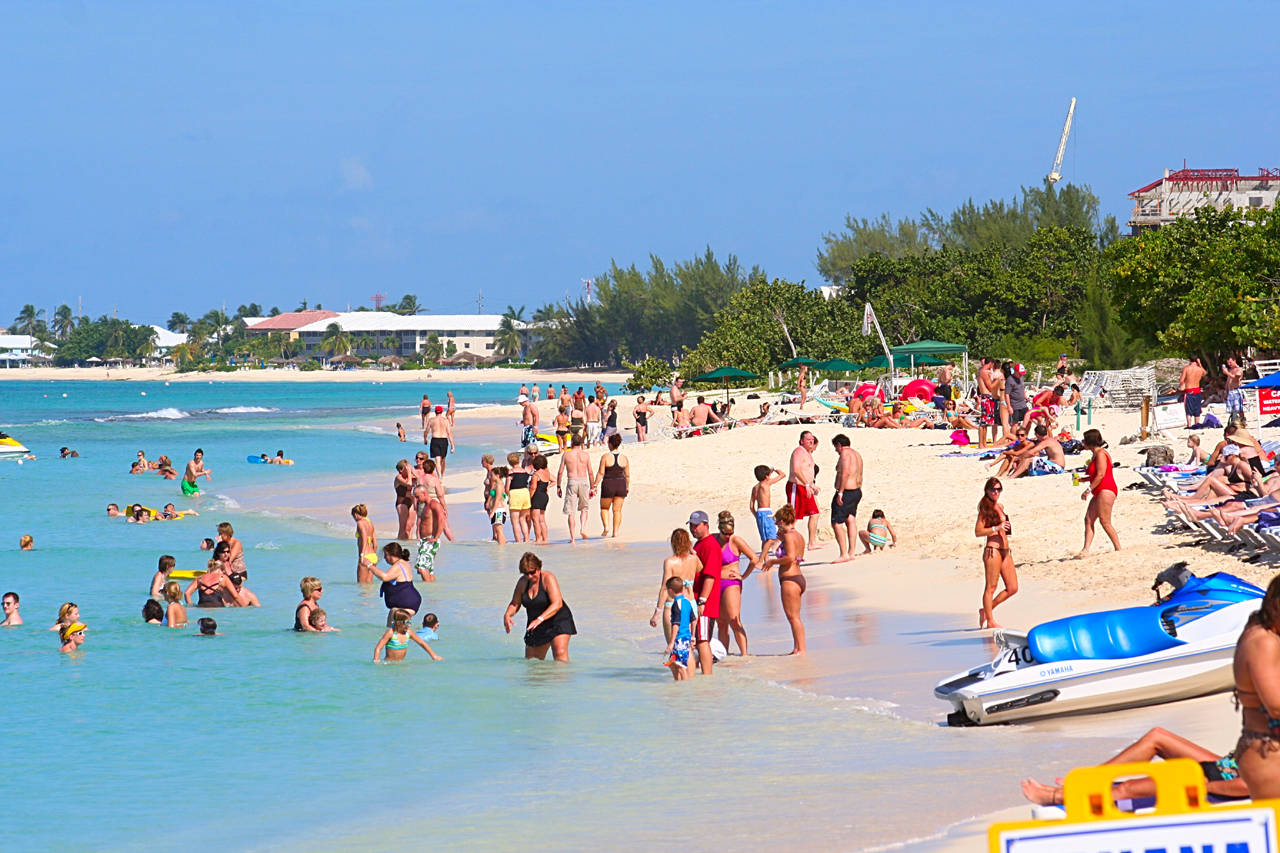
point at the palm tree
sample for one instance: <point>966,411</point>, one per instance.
<point>63,322</point>
<point>218,320</point>
<point>179,322</point>
<point>516,314</point>
<point>363,342</point>
<point>508,339</point>
<point>146,341</point>
<point>546,314</point>
<point>336,341</point>
<point>408,305</point>
<point>28,320</point>
<point>115,340</point>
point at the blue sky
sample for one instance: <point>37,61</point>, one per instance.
<point>173,156</point>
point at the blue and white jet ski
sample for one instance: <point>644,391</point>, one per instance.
<point>1177,648</point>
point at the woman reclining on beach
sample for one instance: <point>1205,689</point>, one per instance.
<point>1219,771</point>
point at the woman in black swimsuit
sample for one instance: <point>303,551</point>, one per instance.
<point>641,413</point>
<point>613,478</point>
<point>538,500</point>
<point>398,591</point>
<point>550,623</point>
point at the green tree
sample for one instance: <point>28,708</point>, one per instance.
<point>336,341</point>
<point>769,322</point>
<point>179,323</point>
<point>253,309</point>
<point>363,342</point>
<point>1104,344</point>
<point>28,321</point>
<point>145,339</point>
<point>509,339</point>
<point>648,374</point>
<point>432,350</point>
<point>1204,284</point>
<point>63,322</point>
<point>408,305</point>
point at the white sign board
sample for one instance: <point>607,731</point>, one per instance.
<point>1229,831</point>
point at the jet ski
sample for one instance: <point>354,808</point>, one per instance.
<point>1177,648</point>
<point>10,446</point>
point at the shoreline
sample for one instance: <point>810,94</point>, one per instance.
<point>439,375</point>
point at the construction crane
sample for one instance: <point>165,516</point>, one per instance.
<point>1054,174</point>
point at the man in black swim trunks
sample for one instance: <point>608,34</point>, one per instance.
<point>848,494</point>
<point>439,435</point>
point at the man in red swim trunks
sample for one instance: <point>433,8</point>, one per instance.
<point>706,586</point>
<point>802,491</point>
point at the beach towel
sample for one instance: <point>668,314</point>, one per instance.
<point>960,437</point>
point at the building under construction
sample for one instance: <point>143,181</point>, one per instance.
<point>1180,193</point>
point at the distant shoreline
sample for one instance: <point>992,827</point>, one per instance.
<point>156,374</point>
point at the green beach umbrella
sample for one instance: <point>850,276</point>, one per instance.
<point>795,362</point>
<point>724,374</point>
<point>837,365</point>
<point>882,361</point>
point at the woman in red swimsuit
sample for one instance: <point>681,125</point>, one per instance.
<point>1102,487</point>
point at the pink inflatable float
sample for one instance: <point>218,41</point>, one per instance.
<point>920,388</point>
<point>869,389</point>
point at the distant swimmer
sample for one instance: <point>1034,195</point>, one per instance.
<point>26,542</point>
<point>12,618</point>
<point>195,470</point>
<point>113,511</point>
<point>68,453</point>
<point>400,432</point>
<point>171,513</point>
<point>72,637</point>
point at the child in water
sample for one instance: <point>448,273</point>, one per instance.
<point>498,502</point>
<point>682,615</point>
<point>175,614</point>
<point>208,626</point>
<point>879,533</point>
<point>428,629</point>
<point>320,621</point>
<point>396,639</point>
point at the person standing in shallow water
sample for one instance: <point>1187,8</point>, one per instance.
<point>550,622</point>
<point>366,544</point>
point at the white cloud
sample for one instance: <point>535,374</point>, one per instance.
<point>355,176</point>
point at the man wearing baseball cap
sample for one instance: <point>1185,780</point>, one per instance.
<point>706,586</point>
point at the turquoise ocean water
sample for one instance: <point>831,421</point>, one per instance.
<point>260,738</point>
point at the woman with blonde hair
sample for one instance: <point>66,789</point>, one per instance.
<point>997,558</point>
<point>732,549</point>
<point>175,614</point>
<point>366,544</point>
<point>67,614</point>
<point>312,589</point>
<point>683,564</point>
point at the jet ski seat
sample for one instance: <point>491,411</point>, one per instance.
<point>1109,635</point>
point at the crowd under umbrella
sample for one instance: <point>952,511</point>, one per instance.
<point>723,375</point>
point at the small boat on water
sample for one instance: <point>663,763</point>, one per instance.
<point>1177,648</point>
<point>10,446</point>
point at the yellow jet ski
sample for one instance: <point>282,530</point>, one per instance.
<point>10,446</point>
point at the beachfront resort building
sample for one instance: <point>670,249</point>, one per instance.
<point>1180,193</point>
<point>387,333</point>
<point>18,350</point>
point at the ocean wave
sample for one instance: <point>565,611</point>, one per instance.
<point>266,546</point>
<point>167,414</point>
<point>375,430</point>
<point>240,410</point>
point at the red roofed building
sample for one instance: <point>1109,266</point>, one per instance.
<point>289,322</point>
<point>1180,193</point>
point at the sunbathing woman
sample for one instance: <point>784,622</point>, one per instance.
<point>956,419</point>
<point>1221,771</point>
<point>1233,478</point>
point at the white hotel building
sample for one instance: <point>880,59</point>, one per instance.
<point>398,334</point>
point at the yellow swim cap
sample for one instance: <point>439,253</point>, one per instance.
<point>68,630</point>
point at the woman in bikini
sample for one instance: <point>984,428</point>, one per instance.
<point>397,638</point>
<point>732,549</point>
<point>683,564</point>
<point>997,558</point>
<point>405,514</point>
<point>1257,675</point>
<point>1102,487</point>
<point>791,583</point>
<point>562,428</point>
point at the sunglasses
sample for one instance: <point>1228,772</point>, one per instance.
<point>995,488</point>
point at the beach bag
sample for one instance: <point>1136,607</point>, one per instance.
<point>1159,455</point>
<point>960,437</point>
